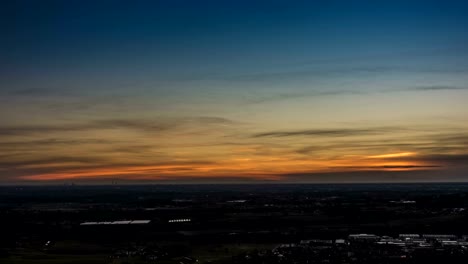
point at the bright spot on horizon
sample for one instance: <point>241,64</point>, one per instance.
<point>393,155</point>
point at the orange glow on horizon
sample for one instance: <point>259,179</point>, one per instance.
<point>267,168</point>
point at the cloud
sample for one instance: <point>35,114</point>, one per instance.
<point>357,145</point>
<point>188,180</point>
<point>210,120</point>
<point>49,142</point>
<point>49,160</point>
<point>447,159</point>
<point>321,93</point>
<point>149,170</point>
<point>94,166</point>
<point>310,72</point>
<point>142,125</point>
<point>338,149</point>
<point>342,132</point>
<point>437,88</point>
<point>288,96</point>
<point>418,138</point>
<point>353,168</point>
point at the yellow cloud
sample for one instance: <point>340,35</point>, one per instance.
<point>392,155</point>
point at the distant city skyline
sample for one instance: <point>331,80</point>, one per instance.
<point>233,91</point>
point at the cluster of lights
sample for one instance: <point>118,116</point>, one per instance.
<point>125,222</point>
<point>180,220</point>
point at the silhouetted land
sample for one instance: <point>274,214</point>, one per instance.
<point>233,223</point>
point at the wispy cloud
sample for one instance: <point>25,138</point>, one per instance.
<point>353,168</point>
<point>446,159</point>
<point>142,125</point>
<point>288,96</point>
<point>309,72</point>
<point>355,91</point>
<point>436,88</point>
<point>342,132</point>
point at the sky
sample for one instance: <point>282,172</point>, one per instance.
<point>233,91</point>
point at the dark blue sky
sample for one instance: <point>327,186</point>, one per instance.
<point>179,34</point>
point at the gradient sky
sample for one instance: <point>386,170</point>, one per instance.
<point>233,91</point>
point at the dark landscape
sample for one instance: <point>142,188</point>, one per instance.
<point>273,223</point>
